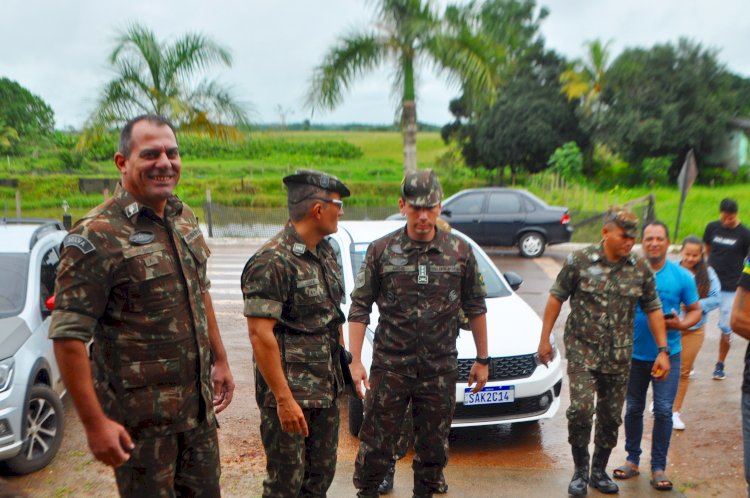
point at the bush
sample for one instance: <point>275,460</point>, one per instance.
<point>567,161</point>
<point>655,170</point>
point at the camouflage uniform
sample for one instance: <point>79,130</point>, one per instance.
<point>419,288</point>
<point>134,283</point>
<point>302,291</point>
<point>599,337</point>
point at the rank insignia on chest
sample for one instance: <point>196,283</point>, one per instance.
<point>143,237</point>
<point>422,276</point>
<point>131,209</point>
<point>299,249</point>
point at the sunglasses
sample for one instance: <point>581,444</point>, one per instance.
<point>336,202</point>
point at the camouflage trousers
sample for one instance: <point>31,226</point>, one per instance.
<point>181,464</point>
<point>432,403</point>
<point>298,466</point>
<point>610,392</point>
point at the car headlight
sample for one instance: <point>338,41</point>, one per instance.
<point>6,373</point>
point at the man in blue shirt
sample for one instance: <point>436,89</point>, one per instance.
<point>679,297</point>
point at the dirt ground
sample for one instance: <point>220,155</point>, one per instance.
<point>704,461</point>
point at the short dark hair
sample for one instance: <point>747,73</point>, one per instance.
<point>728,206</point>
<point>126,135</point>
<point>300,199</point>
<point>656,223</point>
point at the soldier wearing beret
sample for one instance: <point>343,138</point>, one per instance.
<point>604,283</point>
<point>421,278</point>
<point>132,277</point>
<point>292,290</point>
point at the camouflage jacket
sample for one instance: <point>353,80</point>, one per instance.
<point>603,297</point>
<point>302,291</point>
<point>420,289</point>
<point>135,284</point>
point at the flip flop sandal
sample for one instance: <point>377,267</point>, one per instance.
<point>660,481</point>
<point>625,472</point>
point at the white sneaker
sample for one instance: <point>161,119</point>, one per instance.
<point>677,423</point>
<point>651,408</point>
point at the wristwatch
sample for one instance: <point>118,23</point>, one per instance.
<point>482,361</point>
<point>663,349</point>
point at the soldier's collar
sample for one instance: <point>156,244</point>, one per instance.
<point>132,208</point>
<point>597,255</point>
<point>294,242</point>
<point>435,244</point>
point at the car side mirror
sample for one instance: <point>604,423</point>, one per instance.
<point>50,303</point>
<point>446,212</point>
<point>514,279</point>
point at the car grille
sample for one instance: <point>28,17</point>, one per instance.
<point>521,407</point>
<point>504,368</point>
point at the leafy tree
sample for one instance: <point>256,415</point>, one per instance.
<point>8,136</point>
<point>666,100</point>
<point>408,33</point>
<point>567,161</point>
<point>24,112</point>
<point>530,119</point>
<point>586,79</point>
<point>161,78</point>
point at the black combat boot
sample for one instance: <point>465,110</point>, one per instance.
<point>387,485</point>
<point>599,478</point>
<point>579,484</point>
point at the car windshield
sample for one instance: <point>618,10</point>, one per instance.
<point>13,275</point>
<point>496,287</point>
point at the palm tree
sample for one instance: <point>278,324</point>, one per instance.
<point>158,77</point>
<point>8,135</point>
<point>586,80</point>
<point>407,33</point>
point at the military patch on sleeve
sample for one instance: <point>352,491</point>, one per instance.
<point>360,280</point>
<point>78,241</point>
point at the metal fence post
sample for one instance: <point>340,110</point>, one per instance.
<point>18,204</point>
<point>208,213</point>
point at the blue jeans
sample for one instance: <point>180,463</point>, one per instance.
<point>725,310</point>
<point>664,394</point>
<point>746,436</point>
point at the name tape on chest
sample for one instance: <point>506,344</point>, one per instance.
<point>79,242</point>
<point>193,235</point>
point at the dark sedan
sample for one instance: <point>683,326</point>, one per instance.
<point>496,216</point>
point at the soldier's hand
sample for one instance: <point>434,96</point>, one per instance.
<point>291,416</point>
<point>661,367</point>
<point>359,376</point>
<point>544,352</point>
<point>223,386</point>
<point>479,373</point>
<point>109,442</point>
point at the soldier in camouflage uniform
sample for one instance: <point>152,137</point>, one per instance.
<point>132,277</point>
<point>292,289</point>
<point>421,277</point>
<point>604,283</point>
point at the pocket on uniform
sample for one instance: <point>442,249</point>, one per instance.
<point>150,372</point>
<point>308,369</point>
<point>622,349</point>
<point>154,283</point>
<point>153,392</point>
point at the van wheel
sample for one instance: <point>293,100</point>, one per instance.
<point>531,245</point>
<point>43,431</point>
<point>356,414</point>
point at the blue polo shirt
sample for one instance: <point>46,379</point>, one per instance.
<point>675,286</point>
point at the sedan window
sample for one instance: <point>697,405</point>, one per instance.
<point>466,204</point>
<point>504,203</point>
<point>13,275</point>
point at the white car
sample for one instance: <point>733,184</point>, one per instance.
<point>31,412</point>
<point>520,389</point>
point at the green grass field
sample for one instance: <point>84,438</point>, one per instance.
<point>373,177</point>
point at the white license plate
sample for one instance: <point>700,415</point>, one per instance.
<point>490,395</point>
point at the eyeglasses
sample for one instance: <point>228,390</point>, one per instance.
<point>336,202</point>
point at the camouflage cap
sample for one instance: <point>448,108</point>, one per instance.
<point>421,188</point>
<point>623,218</point>
<point>318,179</point>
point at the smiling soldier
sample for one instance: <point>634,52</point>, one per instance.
<point>132,277</point>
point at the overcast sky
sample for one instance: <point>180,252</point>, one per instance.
<point>58,49</point>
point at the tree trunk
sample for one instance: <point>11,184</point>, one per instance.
<point>409,130</point>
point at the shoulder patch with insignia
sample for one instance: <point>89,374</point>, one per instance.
<point>80,242</point>
<point>131,209</point>
<point>299,249</point>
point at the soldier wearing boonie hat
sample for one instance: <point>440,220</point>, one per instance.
<point>421,188</point>
<point>292,290</point>
<point>604,282</point>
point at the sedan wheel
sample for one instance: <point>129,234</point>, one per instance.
<point>44,431</point>
<point>531,245</point>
